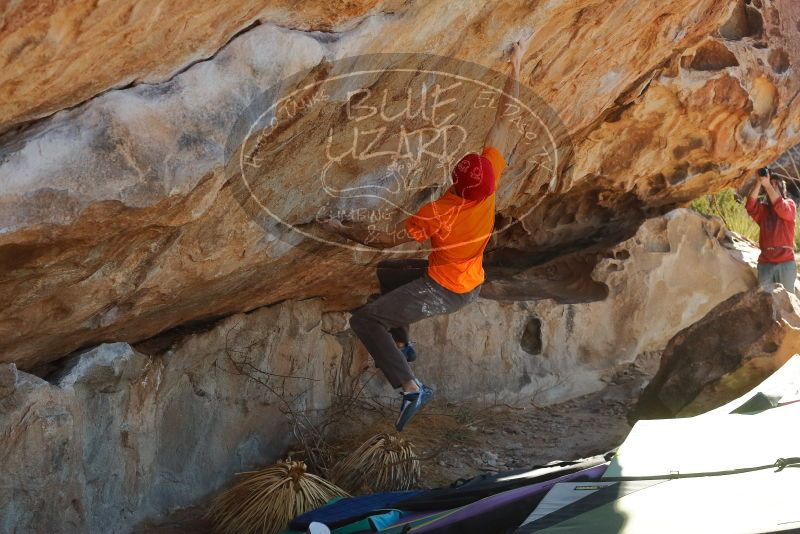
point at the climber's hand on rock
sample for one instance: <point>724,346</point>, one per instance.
<point>519,48</point>
<point>516,56</point>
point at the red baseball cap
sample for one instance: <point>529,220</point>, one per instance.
<point>473,177</point>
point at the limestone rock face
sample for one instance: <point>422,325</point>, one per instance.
<point>119,433</point>
<point>671,273</point>
<point>739,343</point>
<point>56,56</point>
<point>119,215</point>
<point>132,244</point>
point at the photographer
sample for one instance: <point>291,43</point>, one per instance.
<point>776,219</point>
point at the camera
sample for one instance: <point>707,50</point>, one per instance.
<point>763,171</point>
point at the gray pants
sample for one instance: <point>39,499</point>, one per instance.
<point>405,305</point>
<point>778,273</point>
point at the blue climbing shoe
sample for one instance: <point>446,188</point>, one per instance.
<point>409,352</point>
<point>411,404</point>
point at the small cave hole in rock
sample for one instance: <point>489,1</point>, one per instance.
<point>531,341</point>
<point>779,60</point>
<point>712,56</point>
<point>616,113</point>
<point>770,347</point>
<point>679,174</point>
<point>679,152</point>
<point>53,371</point>
<point>745,21</point>
<point>754,20</point>
<point>658,244</point>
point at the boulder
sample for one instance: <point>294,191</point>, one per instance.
<point>668,275</point>
<point>8,379</point>
<point>55,57</point>
<point>120,433</point>
<point>121,211</point>
<point>729,351</point>
<point>117,435</point>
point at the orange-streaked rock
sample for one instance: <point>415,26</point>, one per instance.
<point>54,55</point>
<point>119,217</point>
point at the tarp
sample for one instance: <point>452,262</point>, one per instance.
<point>496,513</point>
<point>343,511</point>
<point>727,443</point>
<point>733,470</point>
<point>750,503</point>
<point>563,494</point>
<point>432,506</point>
<point>718,441</point>
<point>781,387</point>
<point>465,492</point>
<point>371,523</point>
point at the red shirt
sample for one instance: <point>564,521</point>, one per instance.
<point>776,221</point>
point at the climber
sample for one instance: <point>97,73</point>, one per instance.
<point>458,225</point>
<point>776,219</point>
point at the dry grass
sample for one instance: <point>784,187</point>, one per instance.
<point>264,501</point>
<point>385,462</point>
<point>733,213</point>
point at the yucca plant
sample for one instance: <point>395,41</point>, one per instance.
<point>385,462</point>
<point>264,501</point>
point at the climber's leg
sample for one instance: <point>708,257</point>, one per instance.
<point>397,273</point>
<point>405,305</point>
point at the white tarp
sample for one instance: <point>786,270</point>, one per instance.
<point>561,495</point>
<point>718,441</point>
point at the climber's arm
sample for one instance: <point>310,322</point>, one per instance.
<point>503,131</point>
<point>369,236</point>
<point>753,206</point>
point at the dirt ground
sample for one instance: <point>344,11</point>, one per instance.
<point>457,441</point>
